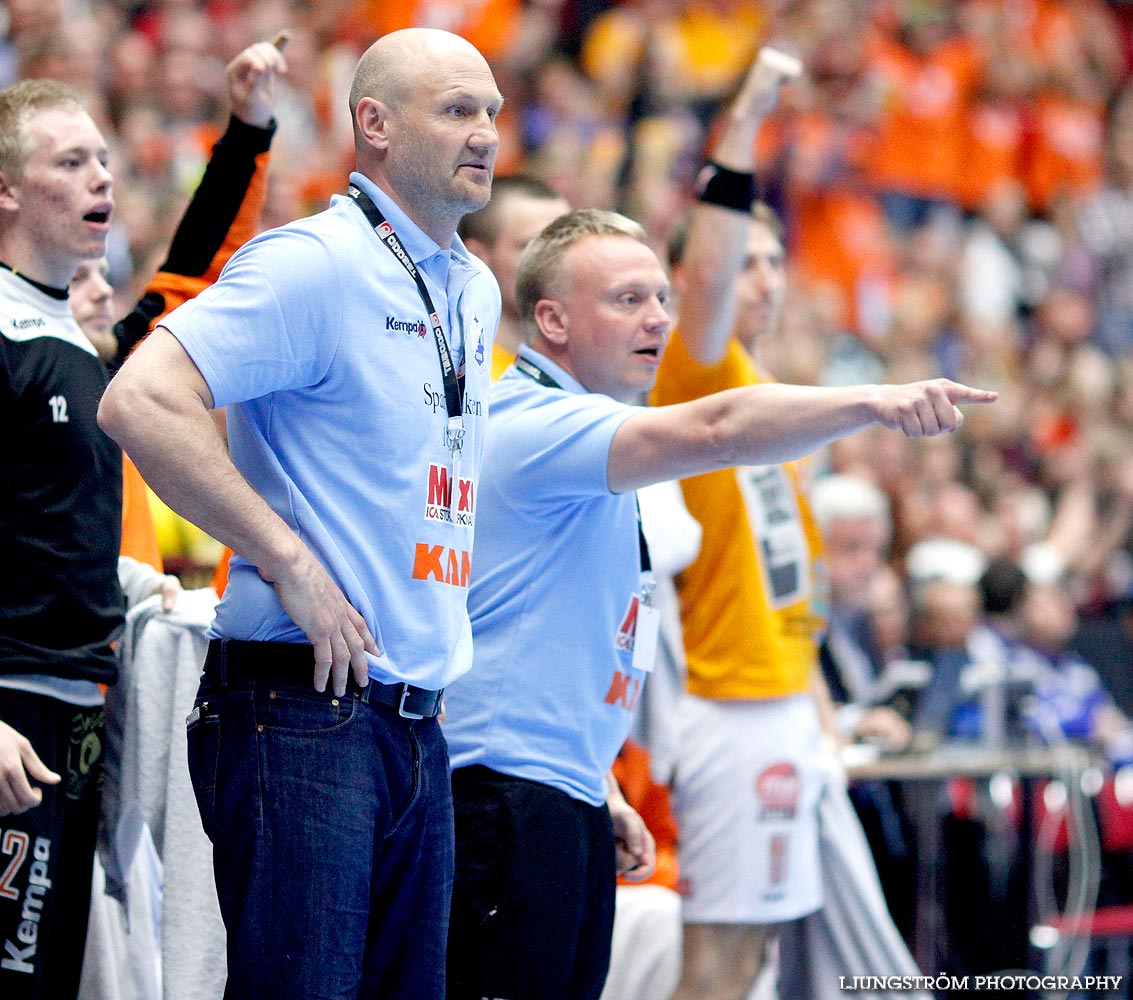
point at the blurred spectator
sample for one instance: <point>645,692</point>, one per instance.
<point>574,146</point>
<point>1105,639</point>
<point>837,226</point>
<point>25,23</point>
<point>945,612</point>
<point>1004,668</point>
<point>1007,260</point>
<point>1075,47</point>
<point>887,606</point>
<point>498,235</point>
<point>490,25</point>
<point>71,52</point>
<point>132,67</point>
<point>925,76</point>
<point>1066,146</point>
<point>853,516</point>
<point>1101,260</point>
<point>649,55</point>
<point>996,127</point>
<point>1071,701</point>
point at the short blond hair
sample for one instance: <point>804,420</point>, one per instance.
<point>541,268</point>
<point>18,104</point>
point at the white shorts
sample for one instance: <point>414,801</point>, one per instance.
<point>746,791</point>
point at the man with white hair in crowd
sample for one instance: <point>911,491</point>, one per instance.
<point>853,515</point>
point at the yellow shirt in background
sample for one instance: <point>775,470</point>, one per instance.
<point>181,542</point>
<point>702,50</point>
<point>748,602</point>
<point>501,360</point>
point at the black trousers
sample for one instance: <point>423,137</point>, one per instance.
<point>533,896</point>
<point>46,853</point>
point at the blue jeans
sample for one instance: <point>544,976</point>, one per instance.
<point>332,830</point>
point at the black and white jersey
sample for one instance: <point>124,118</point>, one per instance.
<point>60,494</point>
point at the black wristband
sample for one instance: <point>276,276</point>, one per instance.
<point>255,139</point>
<point>726,188</point>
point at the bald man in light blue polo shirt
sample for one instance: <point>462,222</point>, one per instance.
<point>352,352</point>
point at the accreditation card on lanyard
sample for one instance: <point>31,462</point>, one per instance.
<point>647,625</point>
<point>648,617</point>
<point>453,381</point>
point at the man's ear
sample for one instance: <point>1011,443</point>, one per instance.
<point>551,318</point>
<point>9,193</point>
<point>372,118</point>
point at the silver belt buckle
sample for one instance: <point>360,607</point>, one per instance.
<point>401,710</point>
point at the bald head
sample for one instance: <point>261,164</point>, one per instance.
<point>389,69</point>
<point>424,106</point>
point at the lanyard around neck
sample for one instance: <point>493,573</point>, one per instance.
<point>453,382</point>
<point>532,370</point>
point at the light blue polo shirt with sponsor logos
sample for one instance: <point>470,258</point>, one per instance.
<point>551,693</point>
<point>317,342</point>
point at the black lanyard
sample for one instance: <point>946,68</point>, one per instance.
<point>532,370</point>
<point>453,382</point>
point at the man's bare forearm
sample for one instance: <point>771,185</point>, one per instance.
<point>159,412</point>
<point>158,409</point>
<point>773,423</point>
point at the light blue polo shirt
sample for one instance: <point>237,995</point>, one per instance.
<point>316,340</point>
<point>550,696</point>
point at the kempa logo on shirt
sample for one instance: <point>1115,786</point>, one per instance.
<point>32,323</point>
<point>438,501</point>
<point>21,957</point>
<point>407,326</point>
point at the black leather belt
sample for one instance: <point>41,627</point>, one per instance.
<point>294,663</point>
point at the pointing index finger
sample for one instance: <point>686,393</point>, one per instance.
<point>967,394</point>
